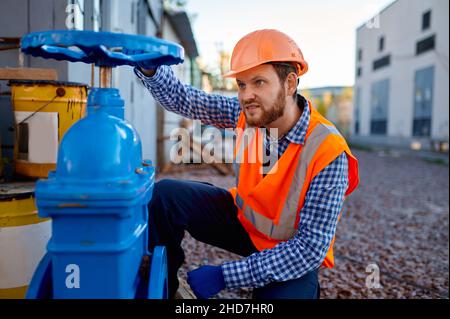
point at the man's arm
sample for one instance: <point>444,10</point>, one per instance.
<point>307,249</point>
<point>183,99</point>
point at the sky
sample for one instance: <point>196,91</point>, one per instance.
<point>325,31</point>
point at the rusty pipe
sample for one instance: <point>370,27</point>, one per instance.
<point>105,76</point>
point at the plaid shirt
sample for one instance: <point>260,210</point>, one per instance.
<point>319,215</point>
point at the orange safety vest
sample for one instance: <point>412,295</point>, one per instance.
<point>269,207</point>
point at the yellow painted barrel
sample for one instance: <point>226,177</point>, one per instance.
<point>23,238</point>
<point>44,111</point>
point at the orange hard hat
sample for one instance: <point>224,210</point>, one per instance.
<point>263,46</point>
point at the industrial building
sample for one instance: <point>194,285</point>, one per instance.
<point>401,94</point>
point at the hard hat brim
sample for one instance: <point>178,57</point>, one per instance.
<point>232,74</point>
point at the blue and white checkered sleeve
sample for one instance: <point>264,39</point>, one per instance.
<point>183,99</point>
<point>307,249</point>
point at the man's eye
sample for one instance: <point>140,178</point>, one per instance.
<point>259,82</point>
<point>241,85</point>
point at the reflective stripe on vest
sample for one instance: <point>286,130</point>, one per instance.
<point>244,139</point>
<point>286,227</point>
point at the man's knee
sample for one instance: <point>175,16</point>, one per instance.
<point>161,196</point>
<point>169,200</point>
<point>180,190</point>
<point>164,190</point>
<point>164,186</point>
<point>167,216</point>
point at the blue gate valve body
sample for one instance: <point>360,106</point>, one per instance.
<point>107,100</point>
<point>97,199</point>
<point>98,195</point>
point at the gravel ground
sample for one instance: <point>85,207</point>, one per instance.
<point>396,222</point>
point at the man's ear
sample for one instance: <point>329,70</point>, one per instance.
<point>291,82</point>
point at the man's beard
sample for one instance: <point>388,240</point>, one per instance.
<point>268,116</point>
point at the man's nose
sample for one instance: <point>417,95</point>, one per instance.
<point>247,95</point>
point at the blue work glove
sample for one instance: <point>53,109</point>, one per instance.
<point>206,281</point>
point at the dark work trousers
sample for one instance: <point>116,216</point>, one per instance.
<point>208,213</point>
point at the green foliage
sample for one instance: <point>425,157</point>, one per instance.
<point>436,161</point>
<point>321,107</point>
<point>361,147</point>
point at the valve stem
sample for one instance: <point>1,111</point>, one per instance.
<point>105,76</point>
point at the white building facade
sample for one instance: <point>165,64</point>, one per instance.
<point>401,88</point>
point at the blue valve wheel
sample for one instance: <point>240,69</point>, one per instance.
<point>102,48</point>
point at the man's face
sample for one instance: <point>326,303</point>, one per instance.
<point>261,95</point>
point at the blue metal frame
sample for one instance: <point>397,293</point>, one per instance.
<point>100,181</point>
<point>41,285</point>
<point>158,287</point>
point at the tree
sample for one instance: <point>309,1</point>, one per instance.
<point>321,107</point>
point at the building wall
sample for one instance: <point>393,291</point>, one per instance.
<point>182,71</point>
<point>401,26</point>
<point>19,17</point>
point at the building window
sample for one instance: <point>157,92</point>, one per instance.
<point>382,62</point>
<point>379,107</point>
<point>360,55</point>
<point>423,102</point>
<point>358,72</point>
<point>426,20</point>
<point>425,45</point>
<point>381,44</point>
